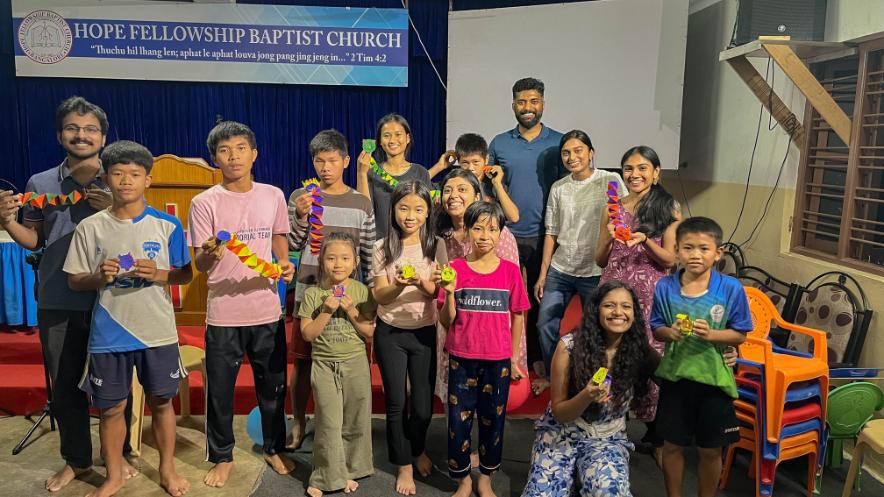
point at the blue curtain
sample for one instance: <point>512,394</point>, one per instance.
<point>175,117</point>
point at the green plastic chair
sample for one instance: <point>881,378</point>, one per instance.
<point>850,407</point>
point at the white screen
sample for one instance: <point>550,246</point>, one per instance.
<point>613,68</point>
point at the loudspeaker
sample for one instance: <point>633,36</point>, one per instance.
<point>800,19</point>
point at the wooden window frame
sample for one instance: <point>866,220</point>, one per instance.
<point>851,181</point>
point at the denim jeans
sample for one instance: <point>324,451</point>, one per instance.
<point>557,293</point>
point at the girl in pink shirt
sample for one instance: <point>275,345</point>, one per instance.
<point>405,333</point>
<point>483,310</point>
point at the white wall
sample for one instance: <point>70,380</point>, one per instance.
<point>612,68</point>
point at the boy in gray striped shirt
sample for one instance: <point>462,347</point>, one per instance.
<point>345,211</point>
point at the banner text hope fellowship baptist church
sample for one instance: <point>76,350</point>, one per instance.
<point>242,43</point>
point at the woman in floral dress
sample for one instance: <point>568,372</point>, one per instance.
<point>652,216</point>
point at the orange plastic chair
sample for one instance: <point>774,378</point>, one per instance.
<point>782,370</point>
<point>760,311</point>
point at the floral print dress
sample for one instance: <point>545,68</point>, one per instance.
<point>633,266</point>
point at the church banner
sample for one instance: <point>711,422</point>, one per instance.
<point>216,43</point>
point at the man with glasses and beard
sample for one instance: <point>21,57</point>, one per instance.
<point>63,315</point>
<point>529,155</point>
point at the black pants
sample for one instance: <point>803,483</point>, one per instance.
<point>64,336</point>
<point>530,258</point>
<point>401,352</point>
<point>225,347</point>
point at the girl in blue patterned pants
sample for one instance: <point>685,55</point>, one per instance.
<point>580,441</point>
<point>581,438</point>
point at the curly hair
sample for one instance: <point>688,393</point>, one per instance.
<point>588,354</point>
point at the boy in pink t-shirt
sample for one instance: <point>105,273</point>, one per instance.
<point>243,315</point>
<point>483,310</point>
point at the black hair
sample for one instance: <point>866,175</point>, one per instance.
<point>576,134</point>
<point>81,106</point>
<point>589,352</point>
<point>393,241</point>
<point>443,219</point>
<point>226,130</point>
<point>392,118</point>
<point>526,84</point>
<point>656,210</point>
<point>471,144</point>
<point>337,236</point>
<point>477,210</point>
<point>329,140</point>
<point>701,225</point>
<point>126,152</point>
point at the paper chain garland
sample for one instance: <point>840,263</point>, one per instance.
<point>615,214</point>
<point>369,146</point>
<point>314,219</point>
<point>249,258</point>
<point>43,200</point>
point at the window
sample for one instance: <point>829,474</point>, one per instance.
<point>839,205</point>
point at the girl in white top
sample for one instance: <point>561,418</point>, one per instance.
<point>405,334</point>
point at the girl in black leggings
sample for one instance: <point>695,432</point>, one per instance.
<point>405,333</point>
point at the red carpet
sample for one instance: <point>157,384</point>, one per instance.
<point>22,388</point>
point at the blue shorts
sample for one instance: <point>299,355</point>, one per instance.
<point>108,376</point>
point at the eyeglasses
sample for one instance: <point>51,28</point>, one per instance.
<point>75,130</point>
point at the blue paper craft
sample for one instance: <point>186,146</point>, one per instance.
<point>127,262</point>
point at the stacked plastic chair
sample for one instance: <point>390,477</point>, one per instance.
<point>782,399</point>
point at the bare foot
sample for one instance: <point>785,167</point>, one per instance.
<point>174,484</point>
<point>474,459</point>
<point>424,465</point>
<point>128,469</point>
<point>405,481</point>
<point>296,437</point>
<point>64,476</point>
<point>314,492</point>
<point>218,475</point>
<point>108,488</point>
<point>281,464</point>
<point>538,385</point>
<point>351,487</point>
<point>464,487</point>
<point>484,488</point>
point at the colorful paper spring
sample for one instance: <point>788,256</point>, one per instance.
<point>314,219</point>
<point>685,325</point>
<point>448,275</point>
<point>369,146</point>
<point>615,214</point>
<point>338,291</point>
<point>600,376</point>
<point>127,262</point>
<point>408,271</point>
<point>43,200</point>
<point>249,258</point>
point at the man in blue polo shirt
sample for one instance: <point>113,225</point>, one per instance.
<point>529,155</point>
<point>63,315</point>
